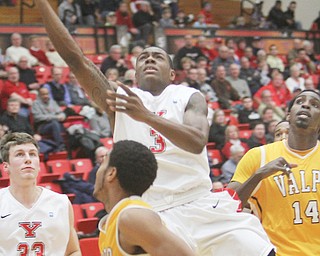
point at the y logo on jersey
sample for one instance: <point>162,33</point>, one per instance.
<point>30,228</point>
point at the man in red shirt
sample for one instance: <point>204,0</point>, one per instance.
<point>280,93</point>
<point>124,18</point>
<point>12,88</point>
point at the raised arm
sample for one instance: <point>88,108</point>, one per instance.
<point>89,76</point>
<point>143,229</point>
<point>191,136</point>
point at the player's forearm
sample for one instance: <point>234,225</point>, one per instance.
<point>58,34</point>
<point>246,189</point>
<point>183,136</point>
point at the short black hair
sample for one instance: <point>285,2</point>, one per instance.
<point>136,166</point>
<point>168,57</point>
<point>294,99</point>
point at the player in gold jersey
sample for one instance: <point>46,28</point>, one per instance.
<point>132,227</point>
<point>283,180</point>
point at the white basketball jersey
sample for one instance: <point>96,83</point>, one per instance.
<point>182,176</point>
<point>42,230</point>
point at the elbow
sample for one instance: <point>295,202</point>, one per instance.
<point>198,147</point>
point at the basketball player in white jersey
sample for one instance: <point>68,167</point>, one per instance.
<point>34,220</point>
<point>171,121</point>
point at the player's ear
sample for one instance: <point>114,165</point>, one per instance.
<point>172,75</point>
<point>288,117</point>
<point>5,166</point>
<point>111,173</point>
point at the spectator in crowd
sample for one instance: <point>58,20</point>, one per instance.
<point>241,46</point>
<point>280,93</point>
<point>107,6</point>
<point>182,20</point>
<point>131,58</point>
<point>248,52</point>
<point>53,56</point>
<point>70,14</point>
<point>281,130</point>
<point>240,85</point>
<point>130,79</point>
<point>251,75</point>
<point>316,23</point>
<point>232,138</point>
<point>124,19</point>
<point>270,130</point>
<point>111,19</point>
<point>309,47</point>
<point>273,60</point>
<point>222,59</point>
<point>293,53</point>
<point>27,75</point>
<point>100,153</point>
<point>207,13</point>
<point>77,95</point>
<point>229,167</point>
<point>112,74</point>
<point>200,22</point>
<point>295,81</point>
<point>258,136</point>
<point>181,74</point>
<point>248,115</point>
<point>143,20</point>
<point>217,132</point>
<point>303,61</point>
<point>37,52</point>
<point>192,79</point>
<point>58,90</point>
<point>205,87</point>
<point>48,117</point>
<point>13,120</point>
<point>204,45</point>
<point>276,16</point>
<point>222,87</point>
<point>257,18</point>
<point>188,50</point>
<point>309,84</point>
<point>257,44</point>
<point>166,20</point>
<point>89,12</point>
<point>16,51</point>
<point>267,101</point>
<point>267,117</point>
<point>99,123</point>
<point>202,62</point>
<point>233,56</point>
<point>114,60</point>
<point>12,88</point>
<point>289,17</point>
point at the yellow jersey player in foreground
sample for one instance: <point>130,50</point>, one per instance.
<point>132,227</point>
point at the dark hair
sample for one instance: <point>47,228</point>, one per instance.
<point>136,166</point>
<point>266,109</point>
<point>14,139</point>
<point>168,57</point>
<point>294,99</point>
<point>254,124</point>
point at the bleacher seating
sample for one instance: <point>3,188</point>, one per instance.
<point>89,246</point>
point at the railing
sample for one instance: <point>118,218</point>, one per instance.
<point>22,4</point>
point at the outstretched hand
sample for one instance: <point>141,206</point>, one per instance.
<point>128,103</point>
<point>279,164</point>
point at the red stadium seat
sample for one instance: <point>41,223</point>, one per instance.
<point>43,73</point>
<point>211,145</point>
<point>245,134</point>
<point>89,246</point>
<point>52,186</point>
<point>4,178</point>
<point>215,156</point>
<point>245,126</point>
<point>214,105</point>
<point>90,209</point>
<point>107,142</point>
<point>77,212</point>
<point>87,225</point>
<point>44,176</point>
<point>59,166</point>
<point>81,165</point>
